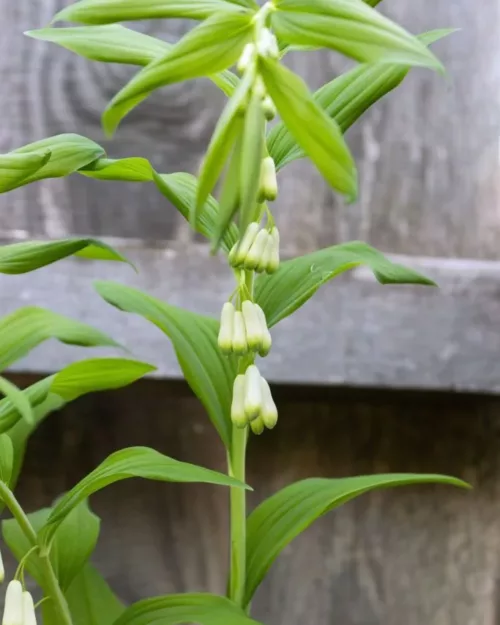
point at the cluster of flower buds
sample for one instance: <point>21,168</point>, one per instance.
<point>258,250</point>
<point>19,608</point>
<point>253,403</point>
<point>245,330</point>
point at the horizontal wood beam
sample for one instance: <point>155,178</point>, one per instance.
<point>355,332</point>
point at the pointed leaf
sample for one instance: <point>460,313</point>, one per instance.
<point>285,515</point>
<point>194,338</point>
<point>203,609</point>
<point>66,154</point>
<point>317,134</point>
<point>6,459</point>
<point>97,374</point>
<point>211,47</point>
<point>16,168</point>
<point>128,463</point>
<point>24,329</point>
<point>296,281</point>
<point>18,399</point>
<point>90,599</point>
<point>345,99</point>
<point>35,394</point>
<point>72,545</point>
<point>27,256</point>
<point>109,11</point>
<point>351,27</point>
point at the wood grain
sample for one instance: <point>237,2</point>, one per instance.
<point>428,154</point>
<point>414,555</point>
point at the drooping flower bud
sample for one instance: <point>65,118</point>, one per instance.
<point>246,243</point>
<point>253,393</point>
<point>231,255</point>
<point>267,45</point>
<point>239,341</point>
<point>268,185</point>
<point>245,58</point>
<point>255,253</point>
<point>225,338</point>
<point>238,416</point>
<point>269,108</point>
<point>266,256</point>
<point>274,260</point>
<point>257,426</point>
<point>269,412</point>
<point>267,342</point>
<point>259,88</point>
<point>13,608</point>
<point>253,326</point>
<point>2,569</point>
<point>28,609</point>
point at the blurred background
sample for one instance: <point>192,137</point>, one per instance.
<point>368,378</point>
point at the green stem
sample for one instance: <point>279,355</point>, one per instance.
<point>50,579</point>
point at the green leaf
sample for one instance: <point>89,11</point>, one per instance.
<point>317,134</point>
<point>72,544</point>
<point>97,374</point>
<point>194,337</point>
<point>296,281</point>
<point>225,135</point>
<point>345,99</point>
<point>285,515</point>
<point>90,599</point>
<point>128,463</point>
<point>351,27</point>
<point>34,394</point>
<point>27,256</point>
<point>211,47</point>
<point>18,399</point>
<point>24,329</point>
<point>109,11</point>
<point>200,608</point>
<point>63,155</point>
<point>6,459</point>
<point>114,43</point>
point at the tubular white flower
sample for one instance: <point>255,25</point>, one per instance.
<point>225,338</point>
<point>267,342</point>
<point>259,88</point>
<point>245,57</point>
<point>269,108</point>
<point>246,243</point>
<point>255,253</point>
<point>239,340</point>
<point>253,392</point>
<point>267,44</point>
<point>238,416</point>
<point>257,426</point>
<point>2,569</point>
<point>268,185</point>
<point>269,412</point>
<point>13,608</point>
<point>28,609</point>
<point>253,326</point>
<point>274,261</point>
<point>266,256</point>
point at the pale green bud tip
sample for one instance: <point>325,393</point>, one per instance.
<point>253,325</point>
<point>246,243</point>
<point>239,341</point>
<point>238,416</point>
<point>267,45</point>
<point>259,88</point>
<point>225,338</point>
<point>253,392</point>
<point>270,111</point>
<point>269,412</point>
<point>13,609</point>
<point>2,569</point>
<point>274,258</point>
<point>246,57</point>
<point>257,426</point>
<point>266,344</point>
<point>254,256</point>
<point>29,609</point>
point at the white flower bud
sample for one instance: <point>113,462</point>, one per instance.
<point>267,342</point>
<point>257,426</point>
<point>2,569</point>
<point>232,253</point>
<point>270,111</point>
<point>225,338</point>
<point>253,325</point>
<point>274,260</point>
<point>269,412</point>
<point>246,243</point>
<point>245,58</point>
<point>29,609</point>
<point>268,185</point>
<point>267,45</point>
<point>255,253</point>
<point>13,608</point>
<point>253,392</point>
<point>266,256</point>
<point>238,416</point>
<point>259,88</point>
<point>239,340</point>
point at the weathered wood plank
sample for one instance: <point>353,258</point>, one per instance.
<point>428,153</point>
